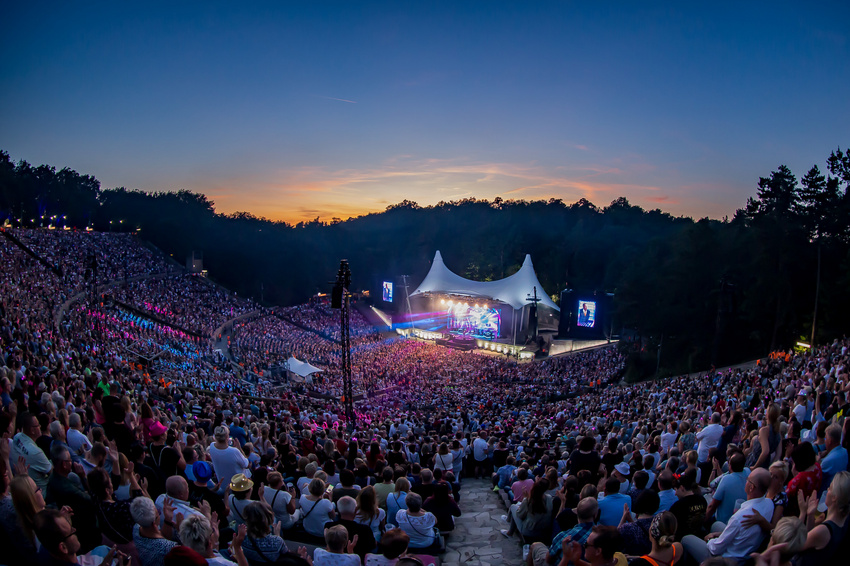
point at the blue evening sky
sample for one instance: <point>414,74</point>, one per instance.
<point>297,110</point>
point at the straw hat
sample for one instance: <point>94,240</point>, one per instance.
<point>240,483</point>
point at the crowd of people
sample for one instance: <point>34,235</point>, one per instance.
<point>268,341</point>
<point>116,255</point>
<point>321,318</point>
<point>127,440</point>
<point>188,301</point>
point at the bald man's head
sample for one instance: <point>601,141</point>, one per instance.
<point>177,487</point>
<point>760,480</point>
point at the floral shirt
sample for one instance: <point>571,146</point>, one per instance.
<point>806,481</point>
<point>152,551</point>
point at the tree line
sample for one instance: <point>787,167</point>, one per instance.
<point>702,291</point>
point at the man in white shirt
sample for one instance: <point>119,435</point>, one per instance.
<point>177,489</point>
<point>735,540</point>
<point>800,408</point>
<point>77,441</point>
<point>23,446</point>
<point>479,453</point>
<point>709,437</point>
<point>227,460</point>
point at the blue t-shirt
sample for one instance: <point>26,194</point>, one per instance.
<point>504,474</point>
<point>667,499</point>
<point>731,488</point>
<point>611,509</point>
<point>835,461</point>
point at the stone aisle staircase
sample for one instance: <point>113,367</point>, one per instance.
<point>476,540</point>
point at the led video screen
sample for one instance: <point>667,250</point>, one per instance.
<point>387,292</point>
<point>478,320</point>
<point>586,314</point>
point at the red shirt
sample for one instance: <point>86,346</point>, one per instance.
<point>807,481</point>
<point>307,446</point>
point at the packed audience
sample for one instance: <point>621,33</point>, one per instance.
<point>188,301</point>
<point>117,256</point>
<point>128,441</point>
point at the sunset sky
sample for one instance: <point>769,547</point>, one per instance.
<point>297,110</point>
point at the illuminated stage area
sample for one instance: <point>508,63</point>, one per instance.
<point>467,314</point>
<point>476,320</point>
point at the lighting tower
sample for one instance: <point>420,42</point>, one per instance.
<point>532,314</point>
<point>341,299</point>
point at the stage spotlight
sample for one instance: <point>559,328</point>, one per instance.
<point>485,306</point>
<point>476,306</point>
<point>443,302</point>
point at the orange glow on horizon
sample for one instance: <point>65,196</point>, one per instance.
<point>308,193</point>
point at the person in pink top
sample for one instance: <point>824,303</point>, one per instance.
<point>521,487</point>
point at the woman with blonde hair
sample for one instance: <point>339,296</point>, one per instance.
<point>63,418</point>
<point>690,458</point>
<point>790,532</point>
<point>443,460</point>
<point>776,493</point>
<point>829,539</point>
<point>130,419</point>
<point>122,492</point>
<point>662,534</point>
<point>368,513</point>
<point>396,499</point>
<point>763,448</point>
<point>27,500</point>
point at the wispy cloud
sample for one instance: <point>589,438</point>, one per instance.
<point>662,199</point>
<point>338,99</point>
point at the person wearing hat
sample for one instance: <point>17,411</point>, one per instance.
<point>621,472</point>
<point>240,497</point>
<point>166,460</point>
<point>199,490</point>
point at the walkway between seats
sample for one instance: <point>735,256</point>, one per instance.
<point>476,540</point>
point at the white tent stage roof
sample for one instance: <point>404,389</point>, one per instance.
<point>513,290</point>
<point>300,368</point>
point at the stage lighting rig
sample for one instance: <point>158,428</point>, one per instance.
<point>341,299</point>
